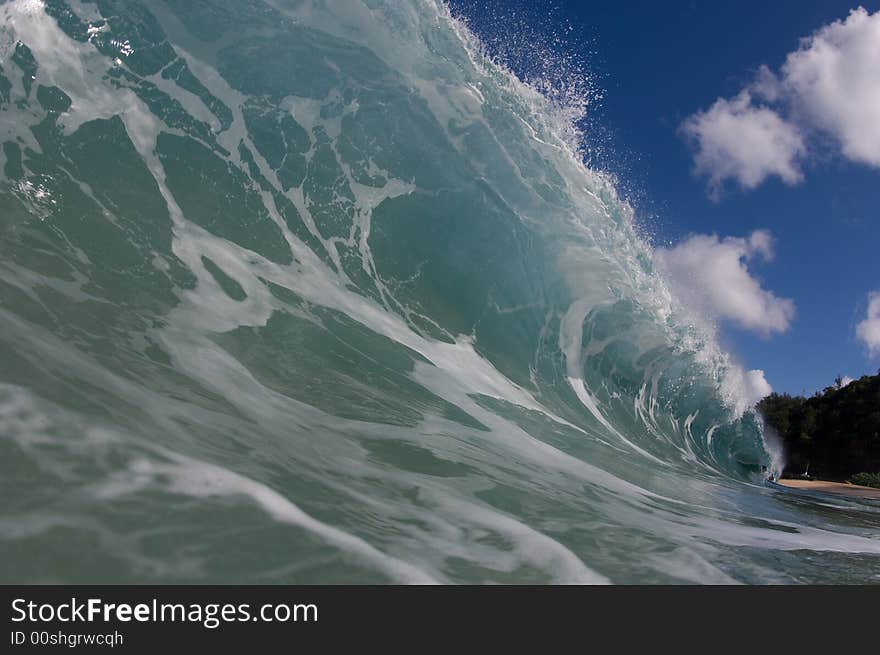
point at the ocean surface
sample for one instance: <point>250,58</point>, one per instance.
<point>315,291</point>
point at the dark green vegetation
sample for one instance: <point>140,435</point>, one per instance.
<point>835,434</point>
<point>866,479</point>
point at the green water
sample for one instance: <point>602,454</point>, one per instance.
<point>306,291</point>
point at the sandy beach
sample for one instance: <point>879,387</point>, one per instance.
<point>841,488</point>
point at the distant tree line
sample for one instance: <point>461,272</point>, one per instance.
<point>835,434</point>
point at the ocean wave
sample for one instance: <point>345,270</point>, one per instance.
<point>323,292</point>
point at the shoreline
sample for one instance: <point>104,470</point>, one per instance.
<point>826,486</point>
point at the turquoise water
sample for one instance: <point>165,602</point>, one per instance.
<point>311,291</point>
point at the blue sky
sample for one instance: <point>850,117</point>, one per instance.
<point>816,186</point>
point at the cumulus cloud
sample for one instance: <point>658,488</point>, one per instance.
<point>735,139</point>
<point>756,386</point>
<point>710,275</point>
<point>835,79</point>
<point>743,389</point>
<point>868,331</point>
<point>829,86</point>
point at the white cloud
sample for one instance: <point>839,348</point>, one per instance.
<point>766,85</point>
<point>735,139</point>
<point>830,85</point>
<point>711,277</point>
<point>834,78</point>
<point>743,389</point>
<point>868,331</point>
<point>755,386</point>
<point>845,380</point>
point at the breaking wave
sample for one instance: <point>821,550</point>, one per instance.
<point>300,291</point>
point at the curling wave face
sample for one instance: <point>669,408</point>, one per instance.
<point>305,291</point>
